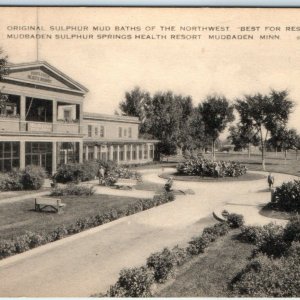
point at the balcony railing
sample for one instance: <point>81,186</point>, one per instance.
<point>16,125</point>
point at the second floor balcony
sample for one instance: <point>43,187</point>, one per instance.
<point>33,115</point>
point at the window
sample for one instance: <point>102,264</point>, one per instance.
<point>67,115</point>
<point>134,152</point>
<point>101,131</point>
<point>141,152</point>
<point>152,151</point>
<point>90,152</point>
<point>96,131</point>
<point>125,132</point>
<point>120,132</point>
<point>121,153</point>
<point>145,151</point>
<point>67,152</point>
<point>89,130</point>
<point>9,156</point>
<point>128,152</point>
<point>130,132</point>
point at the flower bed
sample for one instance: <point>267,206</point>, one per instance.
<point>209,168</point>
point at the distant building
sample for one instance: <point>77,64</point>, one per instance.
<point>43,123</point>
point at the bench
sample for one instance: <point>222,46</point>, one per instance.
<point>54,203</point>
<point>124,182</point>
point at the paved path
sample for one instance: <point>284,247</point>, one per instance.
<point>89,262</point>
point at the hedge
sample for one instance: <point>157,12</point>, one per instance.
<point>31,240</point>
<point>30,178</point>
<point>78,172</point>
<point>287,196</point>
<point>160,266</point>
<point>209,168</point>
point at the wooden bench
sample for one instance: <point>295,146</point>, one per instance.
<point>44,202</point>
<point>124,182</point>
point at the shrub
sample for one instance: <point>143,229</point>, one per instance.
<point>162,263</point>
<point>197,245</point>
<point>235,220</point>
<point>7,248</point>
<point>291,231</point>
<point>33,177</point>
<point>11,181</point>
<point>180,255</point>
<point>204,167</point>
<point>135,282</point>
<point>73,189</point>
<point>268,277</point>
<point>287,196</point>
<point>251,234</point>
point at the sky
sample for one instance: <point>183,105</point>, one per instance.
<point>199,67</point>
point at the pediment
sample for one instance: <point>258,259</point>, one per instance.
<point>44,75</point>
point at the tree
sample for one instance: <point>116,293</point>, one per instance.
<point>216,114</point>
<point>243,137</point>
<point>168,120</point>
<point>284,138</point>
<point>3,72</point>
<point>137,103</point>
<point>262,113</point>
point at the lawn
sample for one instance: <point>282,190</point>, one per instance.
<point>273,163</point>
<point>19,217</point>
<point>209,274</point>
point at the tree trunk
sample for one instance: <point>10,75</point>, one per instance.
<point>276,151</point>
<point>213,150</point>
<point>285,154</point>
<point>296,154</point>
<point>262,151</point>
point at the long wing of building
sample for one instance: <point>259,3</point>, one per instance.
<point>43,123</point>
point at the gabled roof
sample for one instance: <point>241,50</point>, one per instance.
<point>45,66</point>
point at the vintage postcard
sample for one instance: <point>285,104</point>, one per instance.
<point>149,152</point>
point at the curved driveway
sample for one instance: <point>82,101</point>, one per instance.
<point>90,261</point>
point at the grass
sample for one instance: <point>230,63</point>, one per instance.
<point>11,194</point>
<point>273,163</point>
<point>209,274</point>
<point>19,217</point>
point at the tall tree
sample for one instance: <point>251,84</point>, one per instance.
<point>243,137</point>
<point>3,72</point>
<point>216,114</point>
<point>137,103</point>
<point>262,113</point>
<point>284,138</point>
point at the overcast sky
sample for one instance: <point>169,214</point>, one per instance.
<point>200,67</point>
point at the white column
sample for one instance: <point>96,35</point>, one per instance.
<point>22,154</point>
<point>86,152</point>
<point>125,152</point>
<point>81,151</point>
<point>131,147</point>
<point>54,116</point>
<point>81,118</point>
<point>22,113</point>
<point>118,154</point>
<point>54,158</point>
<point>95,151</point>
<point>148,148</point>
<point>111,152</point>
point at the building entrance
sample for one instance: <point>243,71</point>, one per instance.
<point>39,154</point>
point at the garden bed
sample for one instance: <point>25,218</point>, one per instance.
<point>246,177</point>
